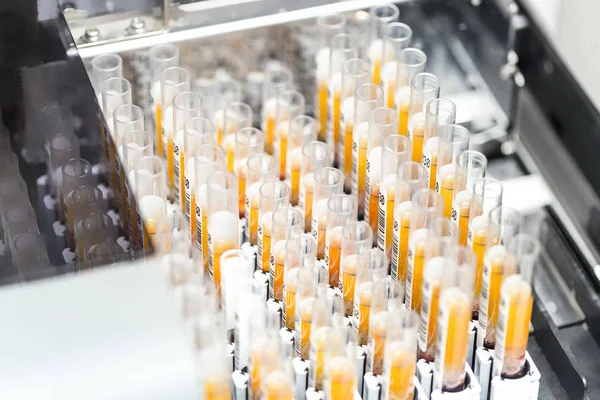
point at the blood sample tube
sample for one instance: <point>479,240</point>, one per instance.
<point>424,87</point>
<point>411,62</point>
<point>381,17</point>
<point>279,384</point>
<point>339,366</point>
<point>236,277</point>
<point>318,339</point>
<point>411,178</point>
<point>289,104</point>
<point>315,155</point>
<point>162,57</point>
<point>75,173</point>
<point>328,182</point>
<point>395,295</point>
<point>248,141</point>
<point>357,237</point>
<point>277,80</point>
<point>329,25</point>
<point>222,94</point>
<point>259,168</point>
<point>453,140</point>
<point>356,72</point>
<point>372,267</point>
<point>237,116</point>
<point>264,350</point>
<point>340,209</point>
<point>396,37</point>
<point>273,195</point>
<point>378,320</point>
<point>438,113</point>
<point>303,130</point>
<point>62,148</point>
<point>368,97</point>
<point>300,252</point>
<point>82,201</point>
<point>305,297</point>
<point>383,123</point>
<point>287,222</point>
<point>94,229</point>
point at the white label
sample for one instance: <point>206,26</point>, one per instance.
<point>199,231</point>
<point>395,250</point>
<point>382,219</point>
<point>483,304</point>
<point>409,273</point>
<point>470,239</point>
<point>271,276</point>
<point>211,267</point>
<point>314,227</point>
<point>176,151</point>
<point>425,314</point>
<point>355,164</point>
<point>426,160</point>
<point>302,197</point>
<point>260,247</point>
<point>188,198</point>
<point>441,342</point>
<point>247,226</point>
<point>367,210</point>
<point>454,216</point>
<point>503,318</point>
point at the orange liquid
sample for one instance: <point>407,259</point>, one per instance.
<point>182,179</point>
<point>323,94</point>
<point>463,224</point>
<point>279,273</point>
<point>390,203</point>
<point>229,145</point>
<point>193,216</point>
<point>253,226</point>
<point>417,144</point>
<point>493,302</point>
<point>305,313</point>
<point>295,181</point>
<point>447,192</point>
<point>402,372</point>
<point>458,310</point>
<point>348,282</point>
<point>159,131</point>
<point>378,338</point>
<point>520,304</point>
<point>403,119</point>
<point>479,250</point>
<point>377,71</point>
<point>363,143</point>
<point>283,145</point>
<point>373,205</point>
<point>262,361</point>
<point>309,185</point>
<point>290,301</point>
<point>149,235</point>
<point>337,99</point>
<point>348,150</point>
<point>278,387</point>
<point>266,246</point>
<point>270,133</point>
<point>364,307</point>
<point>241,174</point>
<point>342,380</point>
<point>335,250</point>
<point>417,280</point>
<point>403,244</point>
<point>433,171</point>
<point>390,89</point>
<point>217,387</point>
<point>170,163</point>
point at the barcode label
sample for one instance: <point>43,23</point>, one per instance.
<point>141,232</point>
<point>485,293</point>
<point>454,215</point>
<point>236,341</point>
<point>314,229</point>
<point>426,161</point>
<point>302,197</point>
<point>247,226</point>
<point>355,164</point>
<point>503,316</point>
<point>297,335</point>
<point>283,305</point>
<point>470,239</point>
<point>382,219</point>
<point>260,249</point>
<point>199,232</point>
<point>409,274</point>
<point>176,178</point>
<point>368,193</point>
<point>188,199</point>
<point>395,250</point>
<point>425,315</point>
<point>441,341</point>
<point>272,277</point>
<point>211,268</point>
<point>129,201</point>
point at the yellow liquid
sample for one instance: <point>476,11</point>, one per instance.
<point>377,71</point>
<point>403,244</point>
<point>463,223</point>
<point>335,250</point>
<point>373,206</point>
<point>479,251</point>
<point>182,179</point>
<point>403,119</point>
<point>295,181</point>
<point>262,361</point>
<point>391,91</point>
<point>149,235</point>
<point>342,380</point>
<point>193,216</point>
<point>266,246</point>
<point>229,145</point>
<point>159,131</point>
<point>253,226</point>
<point>433,171</point>
<point>493,302</point>
<point>389,219</point>
<point>348,150</point>
<point>417,277</point>
<point>378,337</point>
<point>290,303</point>
<point>364,307</point>
<point>278,387</point>
<point>270,133</point>
<point>517,329</point>
<point>417,144</point>
<point>319,341</point>
<point>337,99</point>
<point>309,185</point>
<point>457,339</point>
<point>278,276</point>
<point>447,192</point>
<point>241,174</point>
<point>170,163</point>
<point>323,94</point>
<point>402,372</point>
<point>217,387</point>
<point>348,282</point>
<point>283,145</point>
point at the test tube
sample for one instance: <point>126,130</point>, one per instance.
<point>81,202</point>
<point>453,140</point>
<point>381,17</point>
<point>94,229</point>
<point>339,366</point>
<point>395,295</point>
<point>427,206</point>
<point>62,148</point>
<point>287,222</point>
<point>454,316</point>
<point>487,195</point>
<point>289,104</point>
<point>236,277</point>
<point>503,225</point>
<point>29,255</point>
<point>223,216</point>
<point>162,57</point>
<point>280,383</point>
<point>470,167</point>
<point>305,297</point>
<point>151,199</point>
<point>318,339</point>
<point>516,302</point>
<point>371,267</point>
<point>340,208</point>
<point>328,182</point>
<point>75,173</point>
<point>438,113</point>
<point>9,164</point>
<point>260,168</point>
<point>355,73</point>
<point>248,141</point>
<point>303,130</point>
<point>357,237</point>
<point>17,219</point>
<point>315,155</point>
<point>223,93</point>
<point>411,178</point>
<point>383,123</point>
<point>197,132</point>
<point>127,118</point>
<point>411,62</point>
<point>344,47</point>
<point>247,304</point>
<point>173,81</point>
<point>329,25</point>
<point>277,80</point>
<point>264,350</point>
<point>368,97</point>
<point>396,151</point>
<point>186,105</point>
<point>135,144</point>
<point>396,37</point>
<point>378,321</point>
<point>424,87</point>
<point>208,159</point>
<point>273,195</point>
<point>238,116</point>
<point>400,354</point>
<point>106,253</point>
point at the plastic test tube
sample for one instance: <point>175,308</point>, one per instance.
<point>162,57</point>
<point>400,354</point>
<point>264,350</point>
<point>368,97</point>
<point>372,267</point>
<point>273,195</point>
<point>300,252</point>
<point>383,123</point>
<point>82,201</point>
<point>318,338</point>
<point>503,224</point>
<point>208,159</point>
<point>17,219</point>
<point>248,141</point>
<point>223,93</point>
<point>340,366</point>
<point>396,151</point>
<point>340,209</point>
<point>329,25</point>
<point>454,316</point>
<point>427,206</point>
<point>287,222</point>
<point>289,104</point>
<point>487,195</point>
<point>378,320</point>
<point>470,167</point>
<point>438,113</point>
<point>135,145</point>
<point>305,296</point>
<point>259,168</point>
<point>277,80</point>
<point>315,155</point>
<point>424,87</point>
<point>236,282</point>
<point>343,47</point>
<point>516,302</point>
<point>410,179</point>
<point>29,255</point>
<point>328,182</point>
<point>357,237</point>
<point>151,195</point>
<point>186,105</point>
<point>303,129</point>
<point>62,148</point>
<point>356,72</point>
<point>75,173</point>
<point>247,304</point>
<point>410,63</point>
<point>197,132</point>
<point>381,17</point>
<point>453,140</point>
<point>279,383</point>
<point>94,229</point>
<point>107,253</point>
<point>237,116</point>
<point>396,37</point>
<point>223,218</point>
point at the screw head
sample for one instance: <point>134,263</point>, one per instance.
<point>92,34</point>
